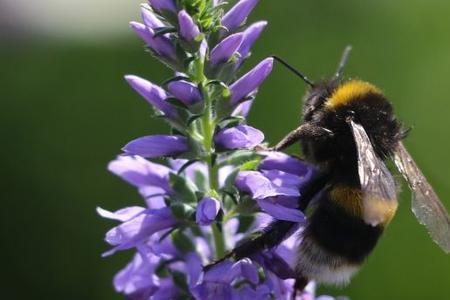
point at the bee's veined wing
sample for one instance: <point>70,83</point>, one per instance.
<point>426,206</point>
<point>377,184</point>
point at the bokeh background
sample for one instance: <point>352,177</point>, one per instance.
<point>66,111</point>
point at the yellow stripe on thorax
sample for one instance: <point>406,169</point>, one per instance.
<point>350,91</point>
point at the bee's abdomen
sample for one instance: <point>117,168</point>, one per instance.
<point>336,241</point>
<point>340,231</point>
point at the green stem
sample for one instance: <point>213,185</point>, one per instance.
<point>208,124</point>
<point>219,241</point>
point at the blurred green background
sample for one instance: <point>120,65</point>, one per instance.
<point>66,111</point>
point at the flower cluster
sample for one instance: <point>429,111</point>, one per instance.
<point>205,186</point>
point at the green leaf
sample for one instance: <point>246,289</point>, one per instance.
<point>175,78</point>
<point>250,165</point>
<point>184,189</point>
<point>163,30</point>
<point>180,280</point>
<point>182,242</point>
<point>245,222</point>
<point>231,121</point>
<point>239,157</point>
<point>247,206</point>
<point>182,211</point>
<point>177,103</point>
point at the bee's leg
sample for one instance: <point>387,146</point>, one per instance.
<point>304,131</point>
<point>299,286</point>
<point>267,238</point>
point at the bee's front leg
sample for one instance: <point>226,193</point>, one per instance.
<point>303,132</point>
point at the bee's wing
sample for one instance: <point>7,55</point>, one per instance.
<point>425,203</point>
<point>377,184</point>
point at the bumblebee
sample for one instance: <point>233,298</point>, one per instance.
<point>349,130</point>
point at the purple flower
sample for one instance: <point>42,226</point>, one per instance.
<point>122,215</point>
<point>241,136</point>
<point>150,20</point>
<point>163,5</point>
<point>250,81</point>
<point>188,29</point>
<point>153,94</point>
<point>238,13</point>
<point>243,109</point>
<point>286,163</point>
<point>251,34</point>
<point>140,172</point>
<point>137,230</point>
<point>186,92</point>
<point>207,210</point>
<point>267,195</point>
<point>216,282</point>
<point>138,280</point>
<point>162,45</point>
<point>157,145</point>
<point>226,48</point>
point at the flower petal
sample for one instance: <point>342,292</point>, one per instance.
<point>161,5</point>
<point>153,94</point>
<point>286,163</point>
<point>239,137</point>
<point>160,44</point>
<point>140,172</point>
<point>186,92</point>
<point>135,231</point>
<point>188,29</point>
<point>207,210</point>
<point>281,212</point>
<point>150,19</point>
<point>251,34</point>
<point>250,81</point>
<point>123,214</point>
<point>157,145</point>
<point>137,280</point>
<point>226,48</point>
<point>238,13</point>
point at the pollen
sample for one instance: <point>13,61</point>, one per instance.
<point>350,91</point>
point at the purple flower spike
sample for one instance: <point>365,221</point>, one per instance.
<point>238,13</point>
<point>153,94</point>
<point>250,81</point>
<point>188,29</point>
<point>161,44</point>
<point>239,137</point>
<point>186,92</point>
<point>162,5</point>
<point>157,145</point>
<point>251,34</point>
<point>207,210</point>
<point>150,19</point>
<point>226,48</point>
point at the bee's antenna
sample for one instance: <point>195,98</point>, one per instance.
<point>293,70</point>
<point>343,62</point>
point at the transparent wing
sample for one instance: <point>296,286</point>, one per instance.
<point>425,203</point>
<point>377,183</point>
